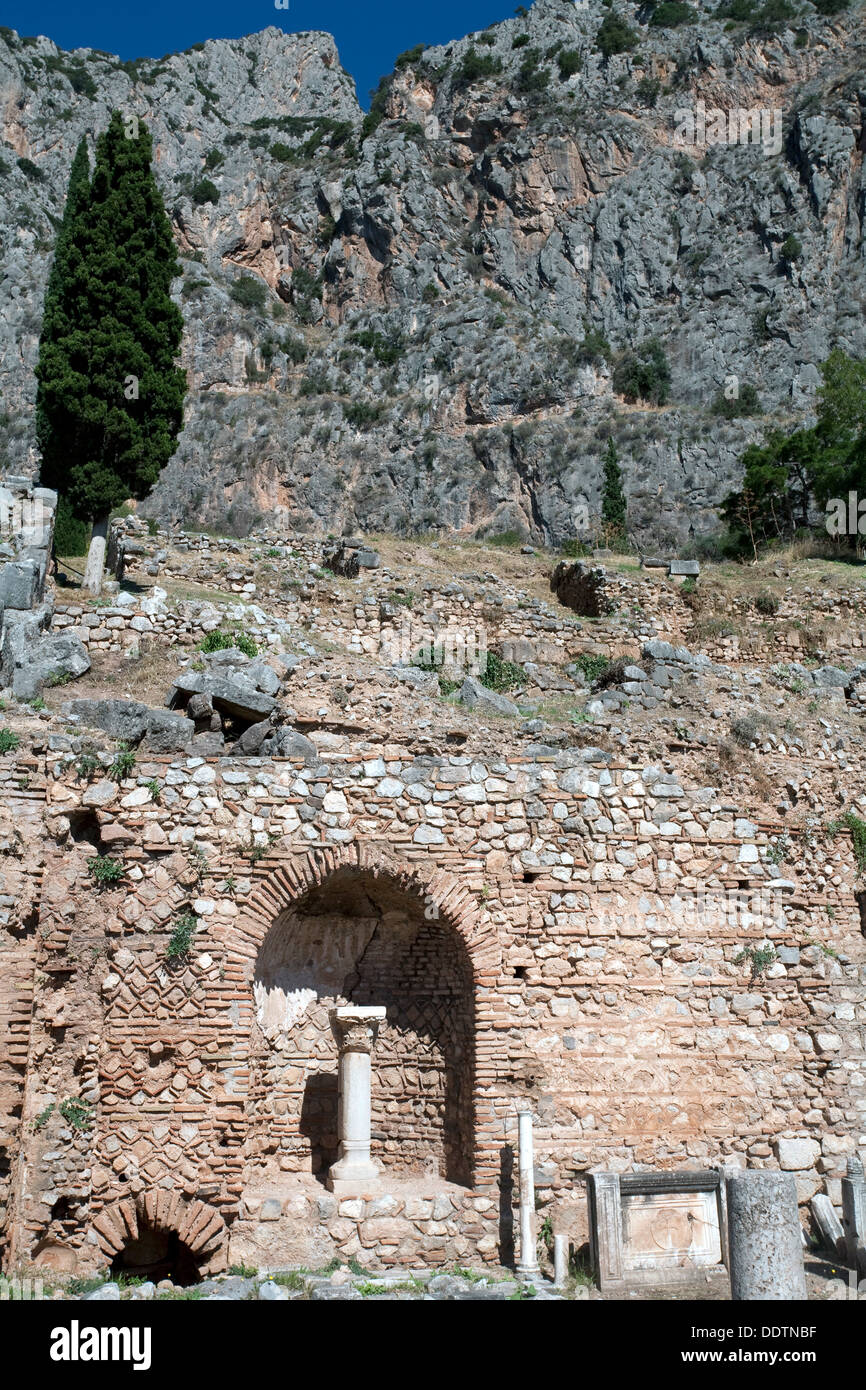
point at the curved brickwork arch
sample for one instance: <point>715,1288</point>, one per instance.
<point>198,1225</point>
<point>289,877</point>
<point>443,900</point>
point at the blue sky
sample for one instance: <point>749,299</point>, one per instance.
<point>368,37</point>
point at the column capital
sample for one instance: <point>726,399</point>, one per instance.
<point>356,1028</point>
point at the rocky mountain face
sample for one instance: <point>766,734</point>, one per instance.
<point>423,318</point>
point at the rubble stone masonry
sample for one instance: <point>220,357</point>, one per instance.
<point>589,937</point>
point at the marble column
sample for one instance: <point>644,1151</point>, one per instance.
<point>527,1264</point>
<point>560,1261</point>
<point>355,1030</point>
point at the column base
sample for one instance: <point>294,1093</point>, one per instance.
<point>354,1187</point>
<point>353,1175</point>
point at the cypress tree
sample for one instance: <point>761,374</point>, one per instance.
<point>613,503</point>
<point>71,535</point>
<point>110,402</point>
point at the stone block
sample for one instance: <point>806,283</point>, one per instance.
<point>49,660</point>
<point>19,585</point>
<point>166,733</point>
<point>795,1155</point>
<point>384,1230</point>
<point>656,1228</point>
<point>236,697</point>
<point>101,794</point>
<point>476,696</point>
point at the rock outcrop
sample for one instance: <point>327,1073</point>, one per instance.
<point>416,321</point>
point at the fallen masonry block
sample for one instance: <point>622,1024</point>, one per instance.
<point>234,697</point>
<point>51,659</point>
<point>831,677</point>
<point>349,557</point>
<point>829,1225</point>
<point>122,719</point>
<point>157,730</point>
<point>166,732</point>
<point>288,743</point>
<point>476,696</point>
<point>251,740</point>
<point>209,743</point>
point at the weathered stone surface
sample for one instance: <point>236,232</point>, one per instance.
<point>131,721</point>
<point>252,738</point>
<point>554,251</point>
<point>764,1238</point>
<point>122,719</point>
<point>19,585</point>
<point>199,707</point>
<point>166,733</point>
<point>233,696</point>
<point>797,1154</point>
<point>207,744</point>
<point>476,696</point>
<point>100,794</point>
<point>52,658</point>
<point>830,676</point>
<point>288,743</point>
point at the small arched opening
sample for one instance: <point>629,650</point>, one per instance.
<point>157,1253</point>
<point>360,937</point>
<point>158,1235</point>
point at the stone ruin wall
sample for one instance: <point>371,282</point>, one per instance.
<point>373,621</point>
<point>626,1023</point>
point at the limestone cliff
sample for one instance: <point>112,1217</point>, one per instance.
<point>386,319</point>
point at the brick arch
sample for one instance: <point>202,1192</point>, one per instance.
<point>199,1225</point>
<point>288,878</point>
<point>286,881</point>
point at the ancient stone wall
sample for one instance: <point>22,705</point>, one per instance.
<point>589,936</point>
